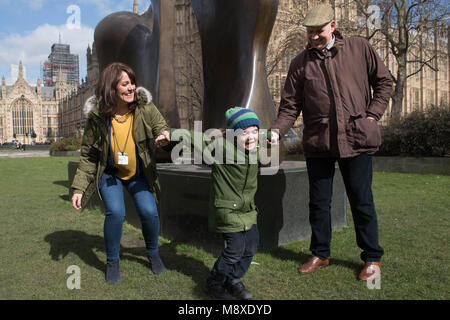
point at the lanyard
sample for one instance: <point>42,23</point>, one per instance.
<point>126,140</point>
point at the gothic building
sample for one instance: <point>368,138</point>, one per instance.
<point>30,113</point>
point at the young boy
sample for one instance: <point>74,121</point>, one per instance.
<point>232,209</point>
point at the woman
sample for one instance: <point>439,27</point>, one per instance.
<point>122,129</point>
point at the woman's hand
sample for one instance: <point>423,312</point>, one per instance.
<point>163,139</point>
<point>76,200</point>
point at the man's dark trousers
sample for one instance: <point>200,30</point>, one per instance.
<point>357,175</point>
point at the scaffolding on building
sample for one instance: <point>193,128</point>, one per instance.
<point>61,59</point>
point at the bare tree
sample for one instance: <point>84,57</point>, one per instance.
<point>409,27</point>
<point>188,65</point>
<point>288,36</point>
<point>189,82</point>
<point>406,28</point>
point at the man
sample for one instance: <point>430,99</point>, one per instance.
<point>331,82</point>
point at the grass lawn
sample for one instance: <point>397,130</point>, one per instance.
<point>41,236</point>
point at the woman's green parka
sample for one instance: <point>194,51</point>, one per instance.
<point>148,124</point>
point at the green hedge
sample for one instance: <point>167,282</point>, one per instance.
<point>424,133</point>
<point>67,144</point>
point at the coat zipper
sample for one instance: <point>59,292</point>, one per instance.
<point>243,189</point>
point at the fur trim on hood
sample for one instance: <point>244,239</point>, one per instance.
<point>141,92</point>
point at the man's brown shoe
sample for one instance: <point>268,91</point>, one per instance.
<point>370,271</point>
<point>312,265</point>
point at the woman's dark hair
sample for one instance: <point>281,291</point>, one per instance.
<point>106,87</point>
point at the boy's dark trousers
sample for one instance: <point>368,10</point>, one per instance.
<point>357,175</point>
<point>235,259</point>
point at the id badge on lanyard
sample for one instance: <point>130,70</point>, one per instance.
<point>122,158</point>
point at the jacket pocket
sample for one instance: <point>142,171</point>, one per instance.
<point>228,204</point>
<point>225,212</point>
<point>316,136</point>
<point>366,133</point>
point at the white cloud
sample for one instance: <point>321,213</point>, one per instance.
<point>34,47</point>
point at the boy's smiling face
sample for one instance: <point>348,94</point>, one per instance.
<point>248,138</point>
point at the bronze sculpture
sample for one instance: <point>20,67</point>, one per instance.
<point>132,39</point>
<point>234,35</point>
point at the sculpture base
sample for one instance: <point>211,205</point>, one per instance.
<point>282,200</point>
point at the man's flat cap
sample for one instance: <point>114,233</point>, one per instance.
<point>319,16</point>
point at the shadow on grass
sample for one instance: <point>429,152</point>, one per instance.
<point>63,183</point>
<point>301,258</point>
<point>84,245</point>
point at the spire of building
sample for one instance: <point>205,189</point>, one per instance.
<point>135,7</point>
<point>38,86</point>
<point>20,75</point>
<point>60,77</point>
<point>3,88</point>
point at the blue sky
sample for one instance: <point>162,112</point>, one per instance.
<point>28,28</point>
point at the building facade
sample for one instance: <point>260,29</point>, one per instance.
<point>71,116</point>
<point>30,113</point>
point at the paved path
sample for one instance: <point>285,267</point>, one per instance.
<point>24,154</point>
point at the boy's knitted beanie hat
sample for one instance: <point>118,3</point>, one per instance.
<point>241,118</point>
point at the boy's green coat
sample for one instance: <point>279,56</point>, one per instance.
<point>233,186</point>
<point>148,123</point>
<point>232,204</point>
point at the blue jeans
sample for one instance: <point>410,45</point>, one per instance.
<point>111,189</point>
<point>357,175</point>
<point>235,259</point>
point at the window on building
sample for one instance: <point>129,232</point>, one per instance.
<point>444,99</point>
<point>346,10</point>
<point>381,53</point>
<point>444,70</point>
<point>416,99</point>
<point>430,97</point>
<point>22,116</point>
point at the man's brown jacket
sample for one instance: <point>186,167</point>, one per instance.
<point>333,91</point>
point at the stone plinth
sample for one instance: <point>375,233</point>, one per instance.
<point>282,200</point>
